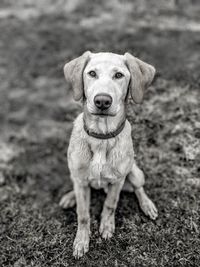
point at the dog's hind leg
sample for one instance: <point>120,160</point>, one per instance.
<point>136,178</point>
<point>68,200</point>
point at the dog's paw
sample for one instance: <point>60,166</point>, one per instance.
<point>81,245</point>
<point>107,228</point>
<point>149,208</point>
<point>68,200</point>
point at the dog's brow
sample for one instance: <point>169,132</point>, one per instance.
<point>116,69</point>
<point>92,68</point>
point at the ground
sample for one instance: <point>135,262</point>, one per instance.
<point>36,114</point>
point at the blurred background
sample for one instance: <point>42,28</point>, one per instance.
<point>36,113</point>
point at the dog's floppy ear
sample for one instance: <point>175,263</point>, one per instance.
<point>142,75</point>
<point>73,71</point>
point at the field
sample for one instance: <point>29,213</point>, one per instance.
<point>36,115</point>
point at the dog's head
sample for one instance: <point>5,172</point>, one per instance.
<point>105,79</point>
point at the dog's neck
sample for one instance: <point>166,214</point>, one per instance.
<point>104,124</point>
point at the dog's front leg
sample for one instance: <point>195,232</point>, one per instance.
<point>107,226</point>
<point>81,242</point>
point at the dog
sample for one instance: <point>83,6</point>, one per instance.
<point>100,153</point>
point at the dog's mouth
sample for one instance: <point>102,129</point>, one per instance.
<point>110,112</point>
<point>103,114</point>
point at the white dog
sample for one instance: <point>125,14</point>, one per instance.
<point>100,152</point>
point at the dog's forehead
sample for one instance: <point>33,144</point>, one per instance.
<point>106,58</point>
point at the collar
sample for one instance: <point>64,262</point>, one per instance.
<point>107,135</point>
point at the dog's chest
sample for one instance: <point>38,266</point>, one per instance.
<point>103,167</point>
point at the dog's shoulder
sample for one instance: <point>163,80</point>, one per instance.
<point>78,123</point>
<point>127,129</point>
<point>78,149</point>
<point>78,135</point>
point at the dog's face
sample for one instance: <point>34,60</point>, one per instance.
<point>104,80</point>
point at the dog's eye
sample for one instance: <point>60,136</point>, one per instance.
<point>118,75</point>
<point>92,73</point>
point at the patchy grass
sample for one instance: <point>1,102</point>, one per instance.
<point>36,114</point>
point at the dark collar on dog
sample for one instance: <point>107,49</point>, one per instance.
<point>107,135</point>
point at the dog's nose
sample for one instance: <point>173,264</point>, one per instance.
<point>103,101</point>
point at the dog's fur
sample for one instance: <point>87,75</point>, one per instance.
<point>109,163</point>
